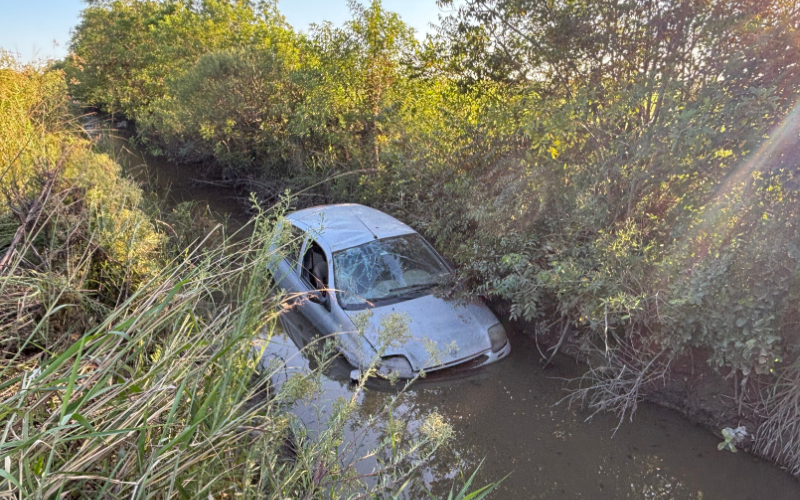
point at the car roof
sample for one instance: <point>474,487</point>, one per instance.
<point>347,225</point>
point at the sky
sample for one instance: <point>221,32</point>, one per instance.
<point>41,28</point>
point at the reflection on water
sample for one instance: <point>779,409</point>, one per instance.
<point>505,413</point>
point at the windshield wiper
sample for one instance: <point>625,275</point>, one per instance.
<point>418,286</point>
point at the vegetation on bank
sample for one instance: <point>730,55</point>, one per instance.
<point>131,349</point>
<point>622,173</point>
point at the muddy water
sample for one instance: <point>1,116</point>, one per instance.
<point>507,414</point>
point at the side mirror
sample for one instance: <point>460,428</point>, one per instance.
<point>320,298</point>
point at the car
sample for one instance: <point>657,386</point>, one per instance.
<point>353,268</point>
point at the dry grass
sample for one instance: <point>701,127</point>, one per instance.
<point>778,435</point>
<point>621,381</point>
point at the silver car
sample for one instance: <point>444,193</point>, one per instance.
<point>359,266</point>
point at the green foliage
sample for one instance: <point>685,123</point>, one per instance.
<point>465,494</point>
<point>125,52</point>
<point>731,438</point>
<point>231,106</point>
<point>86,203</point>
<point>649,195</point>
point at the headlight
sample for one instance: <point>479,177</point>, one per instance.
<point>497,334</point>
<point>398,365</point>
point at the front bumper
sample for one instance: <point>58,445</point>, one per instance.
<point>474,361</point>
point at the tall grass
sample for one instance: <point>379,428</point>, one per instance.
<point>162,396</point>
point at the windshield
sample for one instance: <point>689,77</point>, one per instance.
<point>386,269</point>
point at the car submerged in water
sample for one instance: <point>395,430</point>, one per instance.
<point>355,265</point>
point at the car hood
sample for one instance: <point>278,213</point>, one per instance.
<point>459,330</point>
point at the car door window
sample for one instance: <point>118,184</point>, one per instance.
<point>314,271</point>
